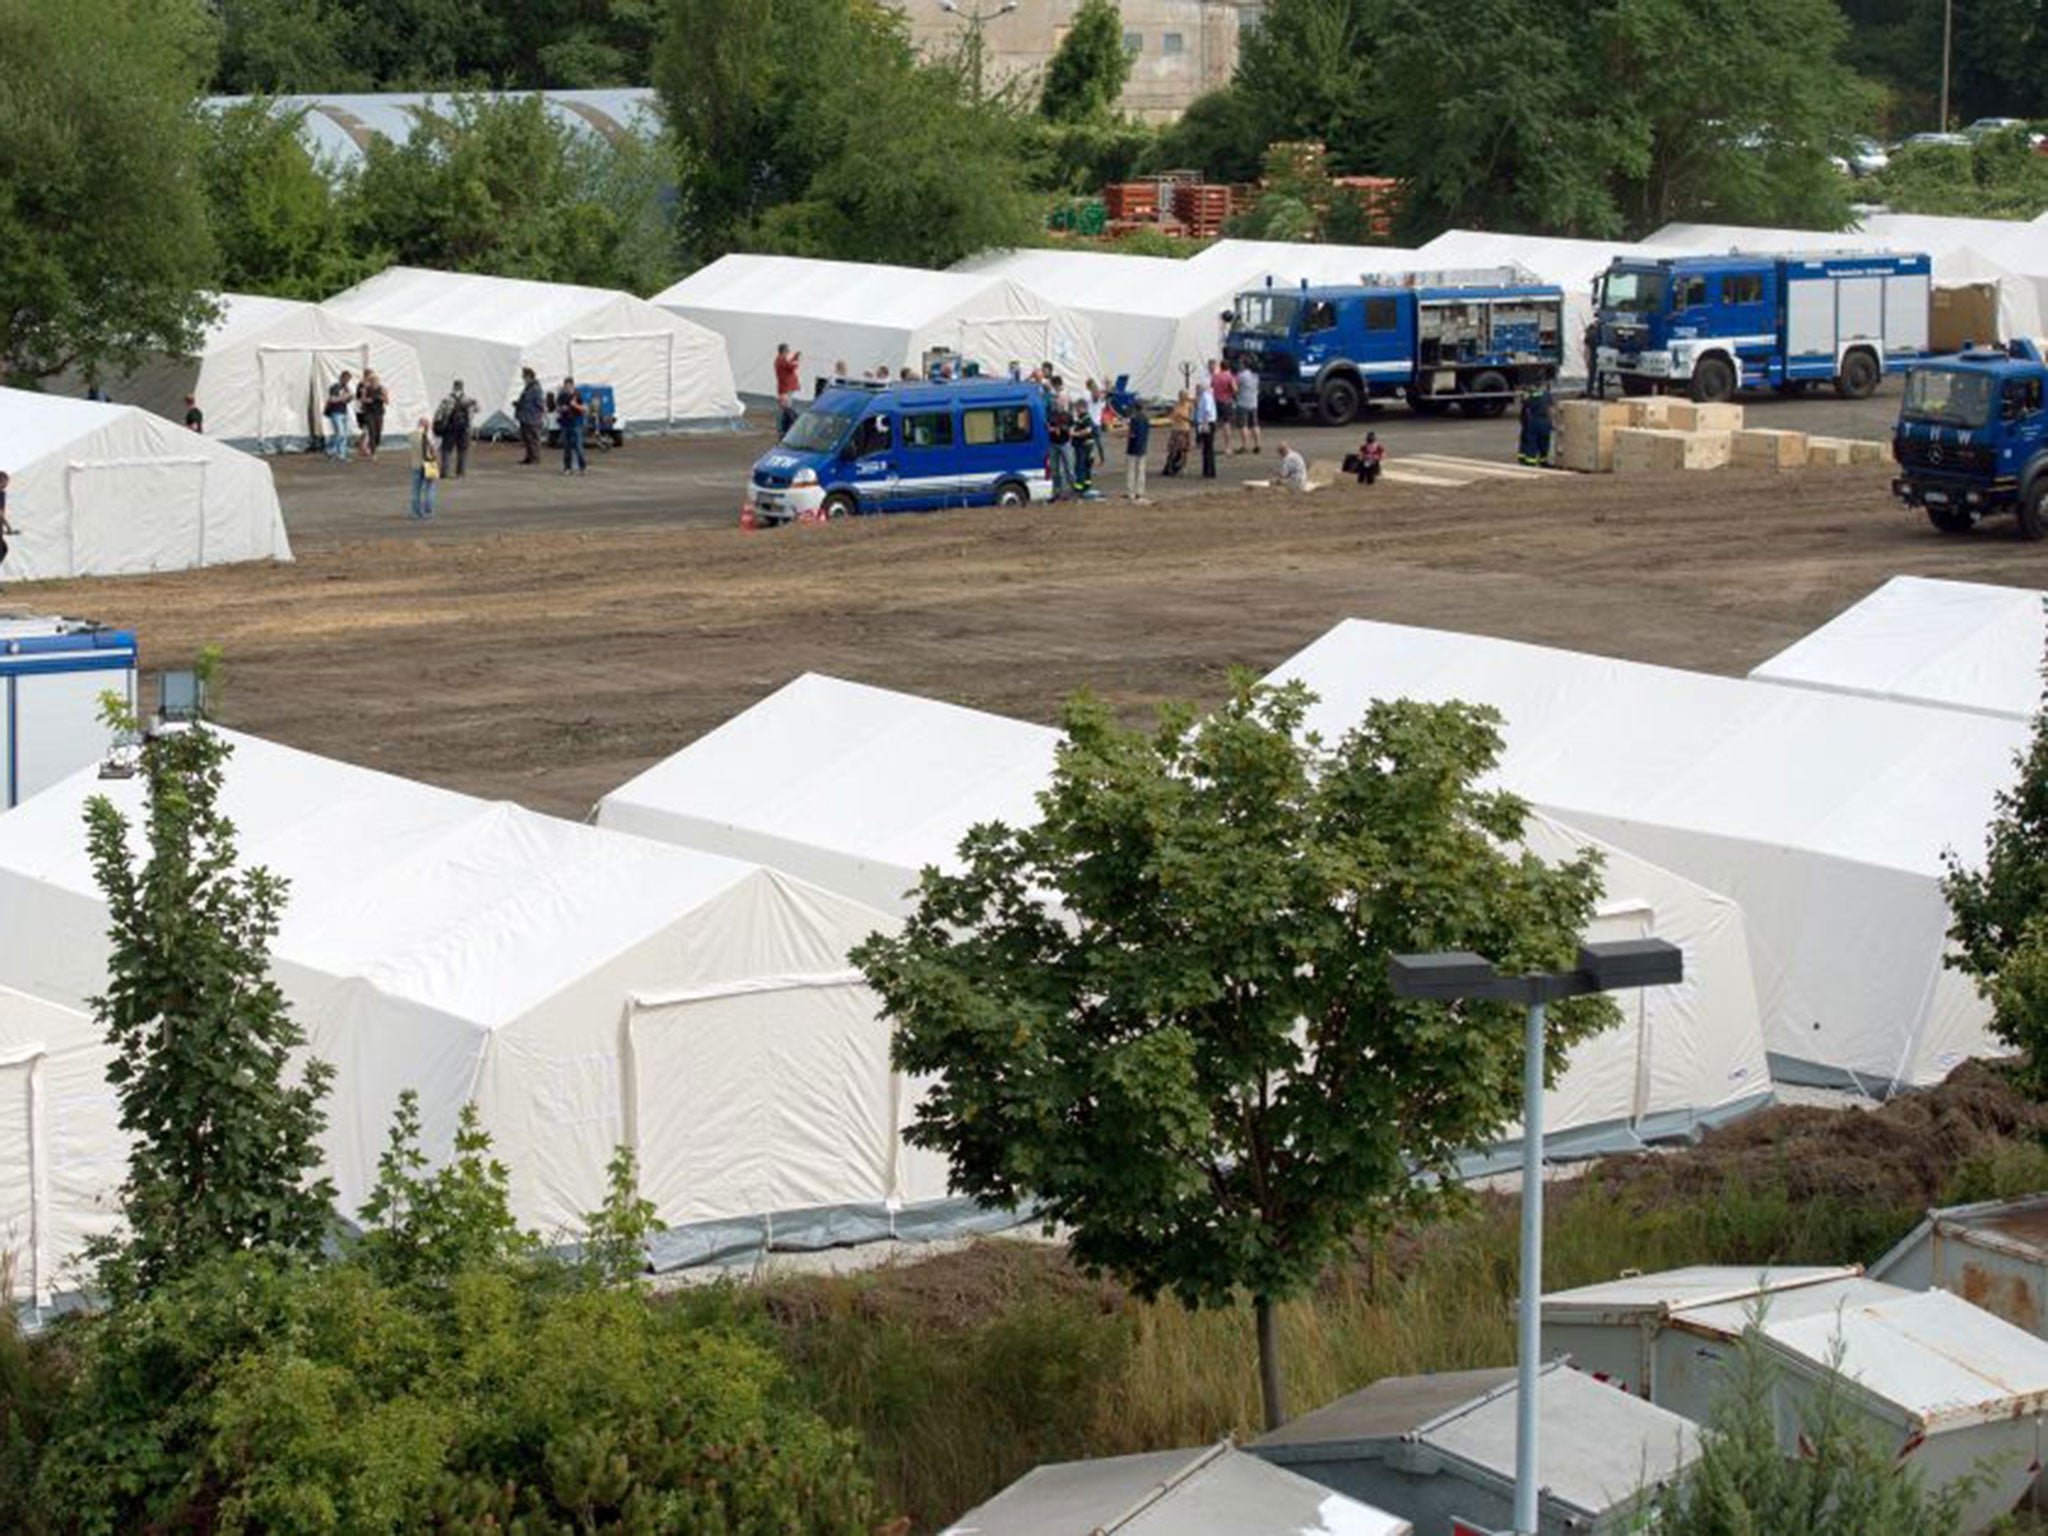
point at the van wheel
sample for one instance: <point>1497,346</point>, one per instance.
<point>1712,380</point>
<point>2034,510</point>
<point>1489,384</point>
<point>1337,401</point>
<point>1858,378</point>
<point>839,505</point>
<point>1011,494</point>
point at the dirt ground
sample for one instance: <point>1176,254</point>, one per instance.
<point>547,666</point>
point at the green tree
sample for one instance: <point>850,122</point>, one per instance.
<point>105,257</point>
<point>1089,68</point>
<point>280,47</point>
<point>224,1145</point>
<point>281,225</point>
<point>1221,135</point>
<point>1310,71</point>
<point>2000,912</point>
<point>1998,177</point>
<point>1194,1064</point>
<point>427,1227</point>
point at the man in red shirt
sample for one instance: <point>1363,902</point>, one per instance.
<point>786,382</point>
<point>1223,385</point>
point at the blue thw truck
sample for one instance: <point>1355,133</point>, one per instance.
<point>1708,326</point>
<point>1328,351</point>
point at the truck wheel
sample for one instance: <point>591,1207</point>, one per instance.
<point>1713,379</point>
<point>1011,494</point>
<point>1858,378</point>
<point>1487,384</point>
<point>2034,510</point>
<point>1427,405</point>
<point>1337,401</point>
<point>839,505</point>
<point>1949,520</point>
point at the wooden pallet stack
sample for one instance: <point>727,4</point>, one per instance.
<point>1656,434</point>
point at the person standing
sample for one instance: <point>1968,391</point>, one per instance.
<point>426,471</point>
<point>1247,401</point>
<point>1205,426</point>
<point>788,380</point>
<point>1138,438</point>
<point>570,413</point>
<point>339,394</point>
<point>1223,385</point>
<point>452,422</point>
<point>1059,432</point>
<point>7,529</point>
<point>371,400</point>
<point>531,412</point>
<point>1596,387</point>
<point>1180,434</point>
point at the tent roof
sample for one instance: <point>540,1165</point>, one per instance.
<point>1156,286</point>
<point>1959,644</point>
<point>505,309</point>
<point>1219,1491</point>
<point>36,426</point>
<point>1886,784</point>
<point>246,314</point>
<point>849,292</point>
<point>478,909</point>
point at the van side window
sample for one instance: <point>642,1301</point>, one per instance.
<point>927,429</point>
<point>1319,316</point>
<point>985,426</point>
<point>1688,291</point>
<point>1742,288</point>
<point>873,437</point>
<point>1381,314</point>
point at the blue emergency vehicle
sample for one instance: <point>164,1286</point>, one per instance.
<point>1327,351</point>
<point>1972,439</point>
<point>907,448</point>
<point>1711,325</point>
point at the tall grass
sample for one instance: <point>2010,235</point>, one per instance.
<point>958,1380</point>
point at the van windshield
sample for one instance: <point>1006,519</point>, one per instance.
<point>1949,397</point>
<point>817,432</point>
<point>1634,293</point>
<point>1266,314</point>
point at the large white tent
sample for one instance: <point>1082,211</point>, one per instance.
<point>1956,265</point>
<point>871,786</point>
<point>1824,816</point>
<point>862,315</point>
<point>62,1151</point>
<point>1958,644</point>
<point>665,371</point>
<point>110,490</point>
<point>1571,264</point>
<point>586,989</point>
<point>262,370</point>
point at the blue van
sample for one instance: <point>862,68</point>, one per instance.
<point>908,448</point>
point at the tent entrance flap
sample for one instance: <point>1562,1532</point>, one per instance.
<point>292,384</point>
<point>640,366</point>
<point>24,1174</point>
<point>136,514</point>
<point>760,1099</point>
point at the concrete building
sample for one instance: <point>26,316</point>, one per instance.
<point>1179,48</point>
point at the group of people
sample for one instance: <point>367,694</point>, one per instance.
<point>1221,405</point>
<point>366,399</point>
<point>440,443</point>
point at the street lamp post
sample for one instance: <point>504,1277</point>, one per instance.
<point>1948,27</point>
<point>977,16</point>
<point>1460,975</point>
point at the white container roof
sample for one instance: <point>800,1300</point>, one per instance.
<point>1824,816</point>
<point>337,129</point>
<point>1220,1491</point>
<point>1958,644</point>
<point>1660,1295</point>
<point>871,786</point>
<point>863,314</point>
<point>111,490</point>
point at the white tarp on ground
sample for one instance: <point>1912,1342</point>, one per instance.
<point>1959,644</point>
<point>262,371</point>
<point>1571,264</point>
<point>866,315</point>
<point>870,786</point>
<point>1824,816</point>
<point>110,490</point>
<point>666,372</point>
<point>1955,265</point>
<point>586,989</point>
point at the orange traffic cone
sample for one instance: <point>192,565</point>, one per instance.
<point>747,523</point>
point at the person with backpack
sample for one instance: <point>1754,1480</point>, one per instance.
<point>452,420</point>
<point>570,414</point>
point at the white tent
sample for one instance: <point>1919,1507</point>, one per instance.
<point>584,988</point>
<point>1959,644</point>
<point>262,370</point>
<point>1956,265</point>
<point>862,315</point>
<point>1288,263</point>
<point>1824,816</point>
<point>109,490</point>
<point>62,1151</point>
<point>666,372</point>
<point>870,786</point>
<point>1571,264</point>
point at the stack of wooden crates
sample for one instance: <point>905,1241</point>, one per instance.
<point>1657,433</point>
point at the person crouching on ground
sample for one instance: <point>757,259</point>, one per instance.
<point>1293,468</point>
<point>1371,454</point>
<point>426,470</point>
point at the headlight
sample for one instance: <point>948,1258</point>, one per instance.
<point>804,477</point>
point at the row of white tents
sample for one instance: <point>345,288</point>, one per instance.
<point>676,977</point>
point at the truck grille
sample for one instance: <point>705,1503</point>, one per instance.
<point>1946,458</point>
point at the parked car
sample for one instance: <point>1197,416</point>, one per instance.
<point>1939,141</point>
<point>1867,157</point>
<point>1984,127</point>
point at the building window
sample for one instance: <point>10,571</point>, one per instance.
<point>1172,43</point>
<point>1134,42</point>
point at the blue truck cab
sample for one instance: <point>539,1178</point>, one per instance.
<point>907,448</point>
<point>1328,351</point>
<point>1972,439</point>
<point>1708,326</point>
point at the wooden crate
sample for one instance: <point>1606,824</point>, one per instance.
<point>1767,448</point>
<point>1693,416</point>
<point>1583,438</point>
<point>1135,202</point>
<point>1827,452</point>
<point>1867,450</point>
<point>1649,411</point>
<point>1638,450</point>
